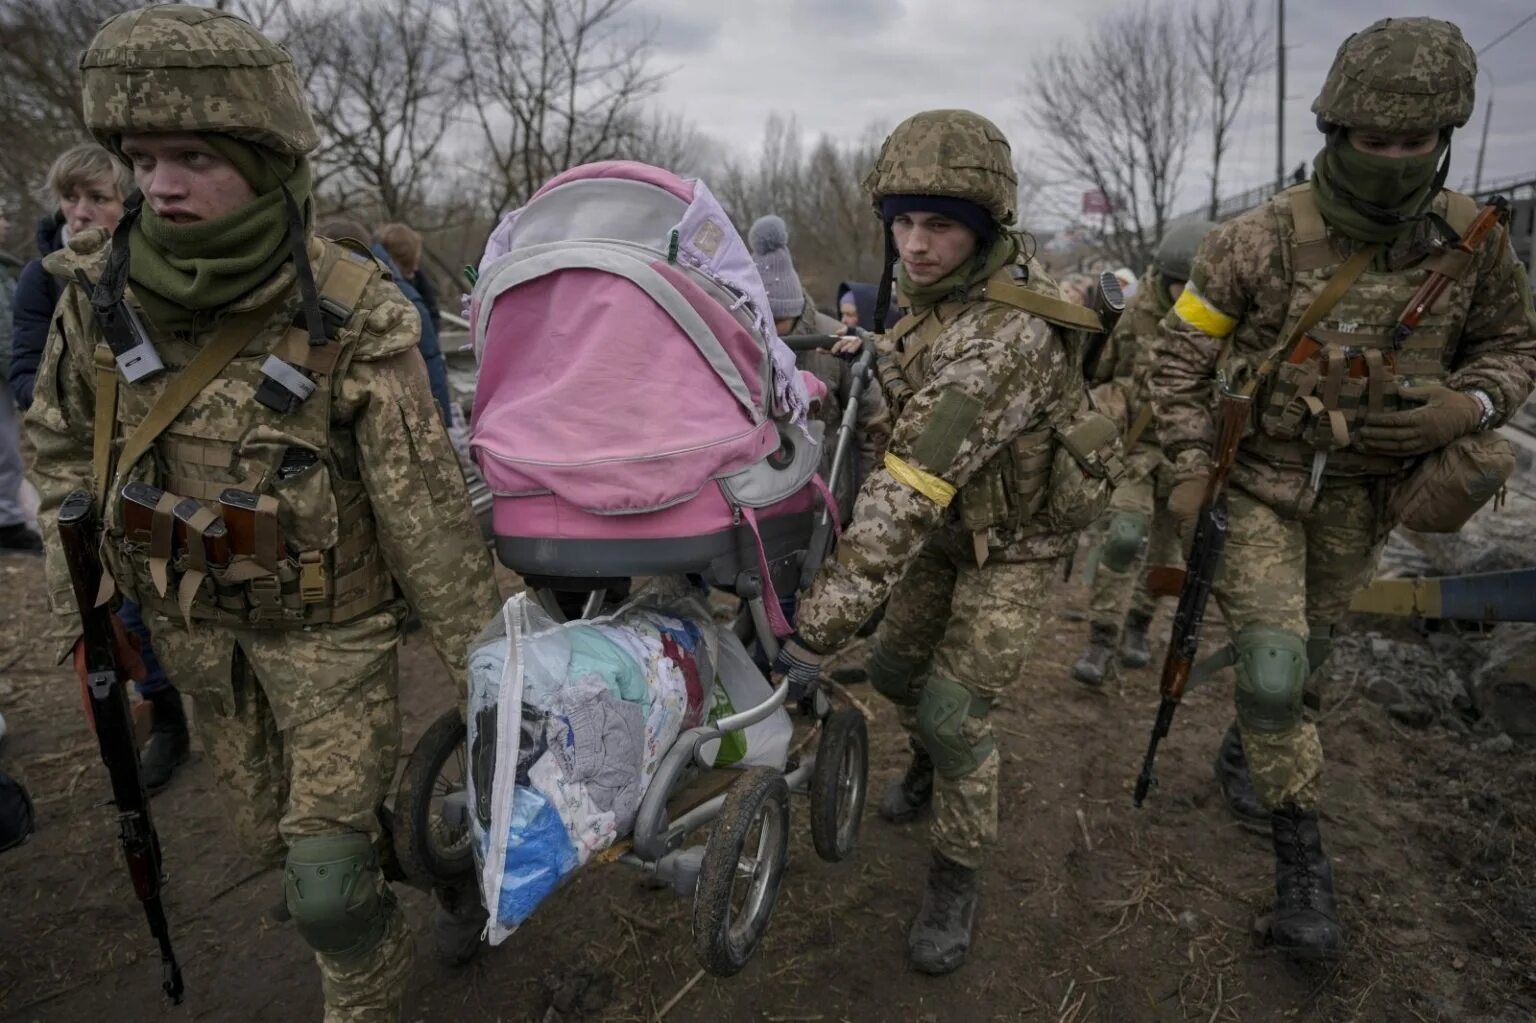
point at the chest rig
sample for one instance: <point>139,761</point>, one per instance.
<point>310,553</point>
<point>1054,477</point>
<point>1345,367</point>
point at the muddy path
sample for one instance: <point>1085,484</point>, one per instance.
<point>1092,911</point>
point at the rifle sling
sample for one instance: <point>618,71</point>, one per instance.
<point>1139,427</point>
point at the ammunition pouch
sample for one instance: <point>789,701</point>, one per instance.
<point>1450,485</point>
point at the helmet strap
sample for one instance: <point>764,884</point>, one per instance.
<point>308,293</point>
<point>114,275</point>
<point>887,278</point>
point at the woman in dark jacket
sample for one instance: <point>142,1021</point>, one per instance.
<point>89,187</point>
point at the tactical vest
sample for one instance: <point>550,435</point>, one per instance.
<point>317,560</point>
<point>1051,479</point>
<point>1321,403</point>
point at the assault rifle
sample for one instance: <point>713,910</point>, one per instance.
<point>104,682</point>
<point>1196,580</point>
<point>1107,300</point>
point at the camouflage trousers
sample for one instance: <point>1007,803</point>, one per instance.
<point>1143,491</point>
<point>302,730</point>
<point>1297,576</point>
<point>974,626</point>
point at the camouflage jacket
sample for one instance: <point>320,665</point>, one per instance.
<point>425,531</point>
<point>1244,294</point>
<point>992,374</point>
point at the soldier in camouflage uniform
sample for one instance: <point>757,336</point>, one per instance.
<point>956,525</point>
<point>1138,528</point>
<point>288,650</point>
<point>1335,432</point>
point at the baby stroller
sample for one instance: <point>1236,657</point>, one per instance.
<point>636,417</point>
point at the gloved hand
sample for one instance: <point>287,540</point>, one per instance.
<point>799,665</point>
<point>1184,504</point>
<point>1444,416</point>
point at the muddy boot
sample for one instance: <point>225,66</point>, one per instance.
<point>1134,652</point>
<point>1236,786</point>
<point>941,934</point>
<point>1305,921</point>
<point>1093,667</point>
<point>458,920</point>
<point>910,796</point>
<point>169,745</point>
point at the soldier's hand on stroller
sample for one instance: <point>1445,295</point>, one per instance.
<point>798,665</point>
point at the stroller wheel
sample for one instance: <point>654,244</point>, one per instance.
<point>431,837</point>
<point>743,867</point>
<point>838,784</point>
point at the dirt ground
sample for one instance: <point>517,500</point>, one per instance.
<point>1092,911</point>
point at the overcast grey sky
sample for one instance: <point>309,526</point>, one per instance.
<point>838,65</point>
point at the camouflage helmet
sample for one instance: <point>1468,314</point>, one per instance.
<point>952,153</point>
<point>1176,252</point>
<point>194,69</point>
<point>1400,75</point>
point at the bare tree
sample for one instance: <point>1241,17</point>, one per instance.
<point>40,45</point>
<point>834,234</point>
<point>1115,107</point>
<point>549,84</point>
<point>1230,46</point>
<point>383,83</point>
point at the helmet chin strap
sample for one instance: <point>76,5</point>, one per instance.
<point>887,277</point>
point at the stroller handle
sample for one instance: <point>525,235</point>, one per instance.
<point>811,342</point>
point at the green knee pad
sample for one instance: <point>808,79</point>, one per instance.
<point>1123,539</point>
<point>892,676</point>
<point>331,886</point>
<point>941,714</point>
<point>1271,667</point>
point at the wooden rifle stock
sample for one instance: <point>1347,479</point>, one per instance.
<point>1199,575</point>
<point>108,693</point>
<point>1489,217</point>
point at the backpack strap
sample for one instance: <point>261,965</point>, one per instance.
<point>1001,287</point>
<point>1310,247</point>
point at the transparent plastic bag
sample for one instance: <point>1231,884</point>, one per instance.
<point>567,723</point>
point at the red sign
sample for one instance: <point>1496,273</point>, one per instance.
<point>1096,202</point>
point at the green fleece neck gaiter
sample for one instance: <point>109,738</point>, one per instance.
<point>183,273</point>
<point>1004,249</point>
<point>1373,198</point>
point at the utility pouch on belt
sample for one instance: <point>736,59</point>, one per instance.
<point>1088,464</point>
<point>1451,484</point>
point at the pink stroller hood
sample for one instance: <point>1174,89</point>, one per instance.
<point>623,358</point>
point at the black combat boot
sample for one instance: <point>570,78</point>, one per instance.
<point>910,796</point>
<point>1305,921</point>
<point>458,920</point>
<point>21,539</point>
<point>941,934</point>
<point>169,745</point>
<point>1236,786</point>
<point>1094,666</point>
<point>1134,652</point>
